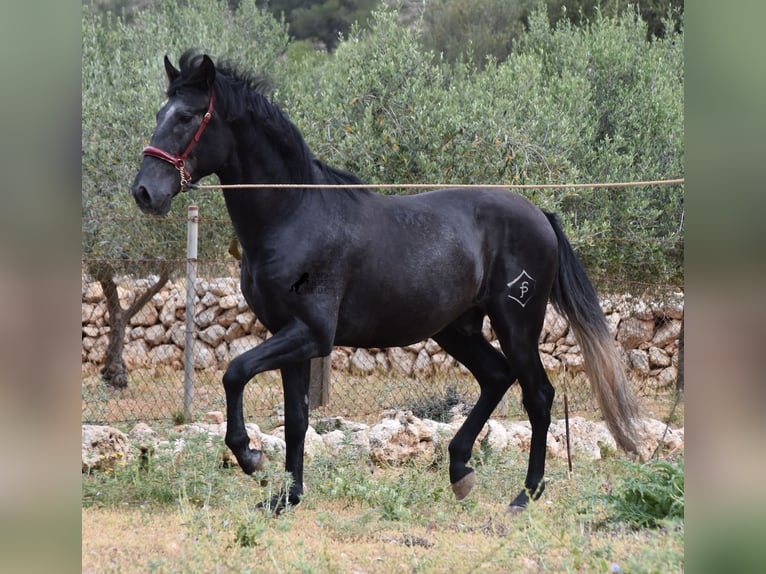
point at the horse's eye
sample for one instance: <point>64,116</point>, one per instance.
<point>185,117</point>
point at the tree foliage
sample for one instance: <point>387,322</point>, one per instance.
<point>480,29</point>
<point>324,21</point>
<point>572,104</point>
<point>593,103</point>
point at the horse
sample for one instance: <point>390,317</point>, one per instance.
<point>347,266</point>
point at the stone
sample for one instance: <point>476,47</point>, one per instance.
<point>274,447</point>
<point>393,442</point>
<point>223,355</point>
<point>169,355</point>
<point>146,316</point>
<point>550,363</point>
<point>242,344</point>
<point>674,306</point>
<point>208,299</point>
<point>442,362</point>
<point>632,332</point>
<point>215,417</point>
<point>135,333</point>
<point>89,331</point>
<point>144,438</point>
<point>402,361</point>
<point>519,435</point>
<point>574,362</point>
<point>246,319</point>
<point>497,436</point>
<point>667,333</point>
<point>587,438</point>
<point>362,362</point>
<point>155,335</point>
<point>659,358</point>
<point>656,434</point>
<point>639,361</point>
<point>613,322</point>
<point>224,286</point>
<point>555,326</point>
<point>228,302</point>
<point>228,318</point>
<point>206,317</point>
<point>667,377</point>
<point>203,357</point>
<point>92,292</point>
<point>213,335</point>
<point>136,354</point>
<point>642,310</point>
<point>234,331</point>
<point>422,366</point>
<point>177,335</point>
<point>168,311</point>
<point>486,329</point>
<point>339,360</point>
<point>103,447</point>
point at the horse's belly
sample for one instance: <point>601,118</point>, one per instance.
<point>388,318</point>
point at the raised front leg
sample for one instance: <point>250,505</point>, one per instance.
<point>293,345</point>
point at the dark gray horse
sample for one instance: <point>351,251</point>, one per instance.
<point>324,267</point>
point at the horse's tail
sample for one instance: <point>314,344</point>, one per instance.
<point>574,296</point>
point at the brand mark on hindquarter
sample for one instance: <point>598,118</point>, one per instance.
<point>522,288</point>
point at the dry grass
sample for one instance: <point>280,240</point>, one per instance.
<point>397,519</point>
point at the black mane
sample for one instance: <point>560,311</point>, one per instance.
<point>241,95</point>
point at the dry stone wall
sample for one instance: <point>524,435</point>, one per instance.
<point>647,330</point>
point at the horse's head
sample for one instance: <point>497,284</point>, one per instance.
<point>188,141</point>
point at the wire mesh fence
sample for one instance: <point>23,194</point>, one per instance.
<point>362,382</point>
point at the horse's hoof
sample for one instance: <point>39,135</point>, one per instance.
<point>462,487</point>
<point>519,503</point>
<point>278,504</point>
<point>251,460</point>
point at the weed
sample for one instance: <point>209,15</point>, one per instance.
<point>651,495</point>
<point>251,530</point>
<point>179,417</point>
<point>438,407</point>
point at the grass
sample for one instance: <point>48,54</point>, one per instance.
<point>189,514</point>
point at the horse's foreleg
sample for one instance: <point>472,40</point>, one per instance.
<point>292,345</point>
<point>295,383</point>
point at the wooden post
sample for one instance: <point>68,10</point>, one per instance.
<point>319,384</point>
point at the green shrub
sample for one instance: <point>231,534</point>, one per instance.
<point>653,495</point>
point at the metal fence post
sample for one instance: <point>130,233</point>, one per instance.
<point>192,223</point>
<point>319,382</point>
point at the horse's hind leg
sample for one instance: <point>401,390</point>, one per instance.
<point>518,331</point>
<point>494,375</point>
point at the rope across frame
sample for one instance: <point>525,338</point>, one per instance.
<point>623,184</point>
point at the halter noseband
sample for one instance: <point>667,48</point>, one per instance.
<point>179,161</point>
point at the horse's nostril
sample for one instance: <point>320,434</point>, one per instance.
<point>141,195</point>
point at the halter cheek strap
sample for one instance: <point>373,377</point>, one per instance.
<point>179,161</point>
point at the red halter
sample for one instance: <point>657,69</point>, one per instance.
<point>179,161</point>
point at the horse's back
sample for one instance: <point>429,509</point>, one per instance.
<point>427,259</point>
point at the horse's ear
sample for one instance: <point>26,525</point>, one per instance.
<point>170,70</point>
<point>207,70</point>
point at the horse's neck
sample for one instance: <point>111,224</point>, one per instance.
<point>258,211</point>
